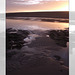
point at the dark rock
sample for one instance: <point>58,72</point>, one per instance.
<point>15,38</point>
<point>61,37</point>
<point>48,20</point>
<point>57,57</point>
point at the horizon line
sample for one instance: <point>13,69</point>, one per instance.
<point>34,11</point>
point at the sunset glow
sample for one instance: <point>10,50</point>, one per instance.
<point>36,5</point>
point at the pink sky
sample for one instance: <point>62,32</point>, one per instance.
<point>36,5</point>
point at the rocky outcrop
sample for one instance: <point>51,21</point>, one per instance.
<point>15,38</point>
<point>61,37</point>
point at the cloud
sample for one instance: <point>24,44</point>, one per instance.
<point>28,2</point>
<point>33,2</point>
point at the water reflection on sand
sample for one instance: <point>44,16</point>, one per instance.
<point>35,25</point>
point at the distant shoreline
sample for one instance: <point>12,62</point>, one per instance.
<point>63,14</point>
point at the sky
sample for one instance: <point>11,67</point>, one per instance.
<point>36,5</point>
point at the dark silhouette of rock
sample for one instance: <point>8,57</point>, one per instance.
<point>61,37</point>
<point>57,57</point>
<point>54,20</point>
<point>15,38</point>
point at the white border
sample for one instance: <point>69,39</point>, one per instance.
<point>72,36</point>
<point>2,38</point>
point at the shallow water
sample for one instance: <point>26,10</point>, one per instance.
<point>34,24</point>
<point>38,41</point>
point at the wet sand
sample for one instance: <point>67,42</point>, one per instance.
<point>37,57</point>
<point>42,66</point>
